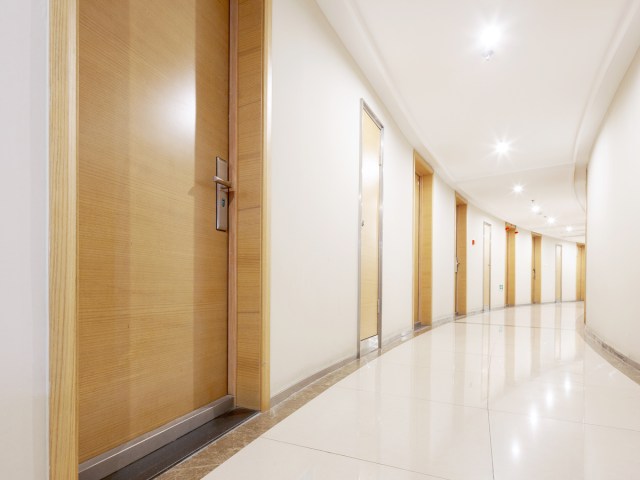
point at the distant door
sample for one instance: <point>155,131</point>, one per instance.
<point>486,291</point>
<point>370,226</point>
<point>558,273</point>
<point>416,256</point>
<point>536,269</point>
<point>510,282</point>
<point>580,273</point>
<point>461,259</point>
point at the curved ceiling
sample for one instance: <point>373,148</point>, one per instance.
<point>544,92</point>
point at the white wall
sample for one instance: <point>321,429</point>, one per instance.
<point>23,239</point>
<point>613,258</point>
<point>475,225</point>
<point>444,250</point>
<point>524,245</point>
<point>317,89</point>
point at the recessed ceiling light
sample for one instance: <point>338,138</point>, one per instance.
<point>535,208</point>
<point>518,188</point>
<point>489,39</point>
<point>502,147</point>
<point>551,220</point>
<point>569,228</point>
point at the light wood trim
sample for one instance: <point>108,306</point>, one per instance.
<point>63,401</point>
<point>460,200</point>
<point>425,250</point>
<point>232,361</point>
<point>536,283</point>
<point>461,255</point>
<point>252,377</point>
<point>421,166</point>
<point>265,385</point>
<point>416,243</point>
<point>510,293</point>
<point>580,273</point>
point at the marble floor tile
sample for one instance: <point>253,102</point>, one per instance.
<point>519,393</point>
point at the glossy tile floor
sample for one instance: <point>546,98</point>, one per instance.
<point>510,394</point>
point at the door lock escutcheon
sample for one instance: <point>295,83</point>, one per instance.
<point>223,187</point>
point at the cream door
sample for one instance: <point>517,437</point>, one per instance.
<point>152,279</point>
<point>370,227</point>
<point>558,273</point>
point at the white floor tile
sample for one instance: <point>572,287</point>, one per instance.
<point>613,407</point>
<point>611,453</point>
<point>457,387</point>
<point>557,410</point>
<point>270,460</point>
<point>428,437</point>
<point>526,448</point>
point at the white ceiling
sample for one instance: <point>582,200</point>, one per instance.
<point>545,91</point>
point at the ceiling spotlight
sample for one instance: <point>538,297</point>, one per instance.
<point>502,148</point>
<point>489,39</point>
<point>535,208</point>
<point>518,188</point>
<point>569,228</point>
<point>551,220</point>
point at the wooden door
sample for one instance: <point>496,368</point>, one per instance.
<point>461,259</point>
<point>558,273</point>
<point>416,255</point>
<point>510,283</point>
<point>152,274</point>
<point>536,270</point>
<point>370,227</point>
<point>486,283</point>
<point>580,273</point>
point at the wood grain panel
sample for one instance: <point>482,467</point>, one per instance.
<point>510,293</point>
<point>416,243</point>
<point>252,380</point>
<point>152,299</point>
<point>580,273</point>
<point>461,255</point>
<point>425,262</point>
<point>369,231</point>
<point>536,272</point>
<point>63,405</point>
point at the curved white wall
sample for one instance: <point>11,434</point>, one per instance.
<point>317,88</point>
<point>23,239</point>
<point>613,258</point>
<point>315,170</point>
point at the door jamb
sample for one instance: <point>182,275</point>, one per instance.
<point>365,108</point>
<point>63,166</point>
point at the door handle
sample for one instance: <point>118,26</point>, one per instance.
<point>223,187</point>
<point>225,183</point>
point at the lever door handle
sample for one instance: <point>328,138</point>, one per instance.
<point>225,183</point>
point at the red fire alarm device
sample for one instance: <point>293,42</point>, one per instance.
<point>473,242</point>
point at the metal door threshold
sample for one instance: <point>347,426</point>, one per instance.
<point>170,455</point>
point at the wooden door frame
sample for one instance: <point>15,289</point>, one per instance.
<point>460,276</point>
<point>366,109</point>
<point>250,23</point>
<point>510,266</point>
<point>424,266</point>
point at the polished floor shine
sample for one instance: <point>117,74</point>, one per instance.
<point>510,394</point>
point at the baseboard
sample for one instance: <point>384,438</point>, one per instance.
<point>283,395</point>
<point>590,335</point>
